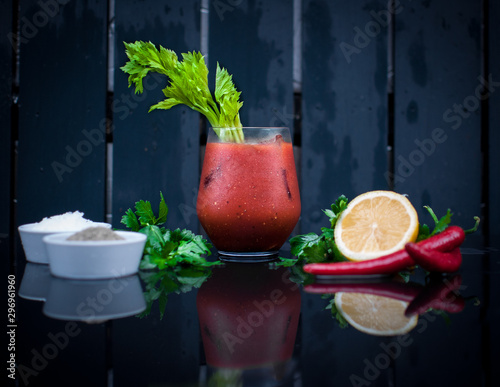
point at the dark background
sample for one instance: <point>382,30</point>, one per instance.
<point>375,100</point>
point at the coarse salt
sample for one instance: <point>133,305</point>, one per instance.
<point>70,221</point>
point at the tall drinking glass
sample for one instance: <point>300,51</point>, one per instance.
<point>248,199</point>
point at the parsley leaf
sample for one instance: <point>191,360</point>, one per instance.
<point>162,211</point>
<point>164,247</point>
<point>336,209</point>
<point>321,248</point>
<point>439,224</point>
<point>130,220</point>
<point>442,223</point>
<point>423,232</point>
<point>145,213</point>
<point>299,242</point>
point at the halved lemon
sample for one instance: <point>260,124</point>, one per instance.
<point>374,224</point>
<point>375,315</point>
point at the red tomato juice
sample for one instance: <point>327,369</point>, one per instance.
<point>249,199</point>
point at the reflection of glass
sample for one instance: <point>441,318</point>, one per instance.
<point>248,199</point>
<point>94,300</point>
<point>248,318</point>
<point>36,282</point>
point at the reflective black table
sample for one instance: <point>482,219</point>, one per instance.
<point>260,324</point>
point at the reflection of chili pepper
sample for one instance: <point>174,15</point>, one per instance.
<point>449,239</point>
<point>442,295</point>
<point>396,290</point>
<point>438,294</point>
<point>433,260</point>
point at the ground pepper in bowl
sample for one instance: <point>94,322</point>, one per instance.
<point>95,234</point>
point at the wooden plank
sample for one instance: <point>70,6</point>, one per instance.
<point>344,132</point>
<point>438,143</point>
<point>153,152</point>
<point>344,94</point>
<point>254,42</point>
<point>437,109</point>
<point>157,151</point>
<point>494,121</point>
<point>7,50</point>
<point>62,109</point>
<point>62,101</point>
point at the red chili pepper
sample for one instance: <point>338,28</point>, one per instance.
<point>387,264</point>
<point>447,240</point>
<point>441,295</point>
<point>433,260</point>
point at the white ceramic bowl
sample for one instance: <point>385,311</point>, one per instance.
<point>35,283</point>
<point>32,240</point>
<point>94,301</point>
<point>95,259</point>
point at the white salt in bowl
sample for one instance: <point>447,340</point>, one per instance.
<point>94,259</point>
<point>32,239</point>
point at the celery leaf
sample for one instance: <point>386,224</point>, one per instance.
<point>188,85</point>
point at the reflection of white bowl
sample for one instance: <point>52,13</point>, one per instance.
<point>32,240</point>
<point>95,259</point>
<point>35,282</point>
<point>94,300</point>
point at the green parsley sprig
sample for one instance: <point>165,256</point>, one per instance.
<point>188,85</point>
<point>164,247</point>
<point>174,261</point>
<point>321,248</point>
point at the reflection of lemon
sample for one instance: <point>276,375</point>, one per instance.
<point>376,223</point>
<point>375,315</point>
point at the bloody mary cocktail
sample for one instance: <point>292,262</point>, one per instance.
<point>248,199</point>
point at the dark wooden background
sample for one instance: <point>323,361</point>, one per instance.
<point>377,98</point>
<point>374,102</point>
